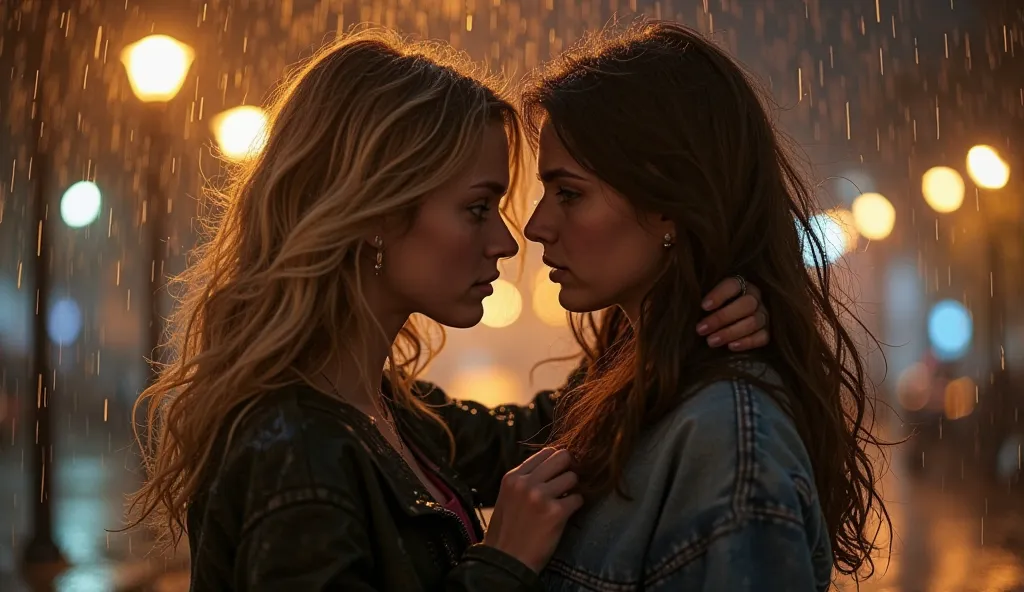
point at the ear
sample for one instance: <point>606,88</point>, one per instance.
<point>666,228</point>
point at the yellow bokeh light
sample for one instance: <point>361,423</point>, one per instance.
<point>491,386</point>
<point>844,218</point>
<point>545,300</point>
<point>503,307</point>
<point>943,189</point>
<point>961,395</point>
<point>157,66</point>
<point>873,215</point>
<point>987,168</point>
<point>241,132</point>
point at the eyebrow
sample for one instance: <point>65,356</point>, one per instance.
<point>558,173</point>
<point>497,188</point>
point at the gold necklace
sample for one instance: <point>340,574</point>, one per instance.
<point>385,413</point>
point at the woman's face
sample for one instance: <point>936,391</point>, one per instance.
<point>443,265</point>
<point>602,250</point>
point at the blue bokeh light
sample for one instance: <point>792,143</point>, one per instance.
<point>950,330</point>
<point>829,233</point>
<point>64,322</point>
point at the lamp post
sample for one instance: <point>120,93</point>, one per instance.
<point>42,557</point>
<point>156,66</point>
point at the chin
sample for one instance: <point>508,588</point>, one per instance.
<point>580,302</point>
<point>464,317</point>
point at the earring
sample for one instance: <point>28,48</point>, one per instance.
<point>379,265</point>
<point>668,240</point>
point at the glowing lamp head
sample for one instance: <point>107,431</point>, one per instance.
<point>157,66</point>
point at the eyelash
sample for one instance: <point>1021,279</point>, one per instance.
<point>479,211</point>
<point>566,195</point>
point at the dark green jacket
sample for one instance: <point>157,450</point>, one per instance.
<point>309,496</point>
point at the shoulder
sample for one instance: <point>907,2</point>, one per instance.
<point>736,434</point>
<point>289,446</point>
<point>288,418</point>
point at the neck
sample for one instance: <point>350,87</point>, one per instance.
<point>356,371</point>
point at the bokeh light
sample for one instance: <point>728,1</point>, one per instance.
<point>844,218</point>
<point>503,307</point>
<point>157,66</point>
<point>64,322</point>
<point>80,204</point>
<point>241,132</point>
<point>949,330</point>
<point>490,385</point>
<point>873,215</point>
<point>960,397</point>
<point>830,238</point>
<point>914,387</point>
<point>545,300</point>
<point>943,189</point>
<point>986,168</point>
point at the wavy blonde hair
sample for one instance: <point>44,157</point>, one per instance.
<point>357,135</point>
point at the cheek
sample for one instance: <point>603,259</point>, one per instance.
<point>604,247</point>
<point>436,252</point>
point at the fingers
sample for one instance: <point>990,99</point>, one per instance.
<point>530,464</point>
<point>570,503</point>
<point>721,293</point>
<point>745,327</point>
<point>759,339</point>
<point>743,306</point>
<point>551,467</point>
<point>561,485</point>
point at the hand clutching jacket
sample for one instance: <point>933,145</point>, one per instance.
<point>330,505</point>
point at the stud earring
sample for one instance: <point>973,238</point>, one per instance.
<point>668,240</point>
<point>379,265</point>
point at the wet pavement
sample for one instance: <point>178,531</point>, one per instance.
<point>951,533</point>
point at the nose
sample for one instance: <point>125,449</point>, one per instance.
<point>540,227</point>
<point>504,245</point>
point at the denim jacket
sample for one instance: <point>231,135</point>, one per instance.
<point>723,499</point>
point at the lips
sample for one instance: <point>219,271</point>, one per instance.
<point>553,265</point>
<point>490,280</point>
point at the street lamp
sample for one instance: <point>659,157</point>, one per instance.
<point>156,66</point>
<point>241,132</point>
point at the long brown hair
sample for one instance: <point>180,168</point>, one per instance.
<point>357,134</point>
<point>671,122</point>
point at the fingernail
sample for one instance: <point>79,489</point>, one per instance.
<point>714,340</point>
<point>702,328</point>
<point>707,304</point>
<point>734,345</point>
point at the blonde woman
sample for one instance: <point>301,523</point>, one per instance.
<point>274,440</point>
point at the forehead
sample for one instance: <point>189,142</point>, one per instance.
<point>491,158</point>
<point>551,152</point>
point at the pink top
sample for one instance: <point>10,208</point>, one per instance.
<point>451,501</point>
<point>452,504</point>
